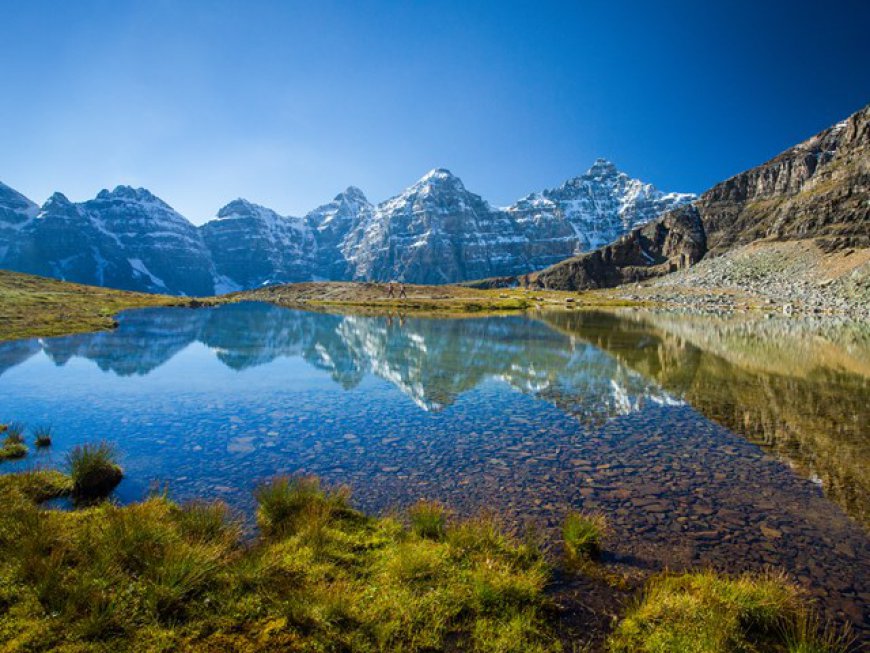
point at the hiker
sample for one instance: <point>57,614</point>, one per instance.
<point>402,291</point>
<point>390,291</point>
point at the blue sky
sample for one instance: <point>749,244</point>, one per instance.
<point>287,103</point>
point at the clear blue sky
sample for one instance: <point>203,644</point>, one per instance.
<point>287,103</point>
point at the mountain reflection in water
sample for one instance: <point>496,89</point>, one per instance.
<point>430,361</point>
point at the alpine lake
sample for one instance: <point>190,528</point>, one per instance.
<point>737,443</point>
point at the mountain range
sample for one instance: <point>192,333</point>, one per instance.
<point>435,231</point>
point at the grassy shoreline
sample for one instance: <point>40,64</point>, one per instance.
<point>33,306</point>
<point>321,576</point>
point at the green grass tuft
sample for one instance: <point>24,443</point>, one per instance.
<point>12,450</point>
<point>42,436</point>
<point>583,534</point>
<point>94,470</point>
<point>428,519</point>
<point>287,505</point>
<point>38,485</point>
<point>15,433</point>
<point>156,576</point>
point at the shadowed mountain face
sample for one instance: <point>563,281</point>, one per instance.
<point>435,231</point>
<point>816,190</point>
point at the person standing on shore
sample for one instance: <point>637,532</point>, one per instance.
<point>391,292</point>
<point>402,291</point>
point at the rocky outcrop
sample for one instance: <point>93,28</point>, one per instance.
<point>675,241</point>
<point>436,231</point>
<point>816,190</point>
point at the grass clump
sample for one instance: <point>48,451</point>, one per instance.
<point>14,433</point>
<point>11,451</point>
<point>705,612</point>
<point>94,470</point>
<point>288,504</point>
<point>42,436</point>
<point>320,576</point>
<point>428,519</point>
<point>13,443</point>
<point>582,535</point>
<point>37,485</point>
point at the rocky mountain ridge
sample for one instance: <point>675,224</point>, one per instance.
<point>435,231</point>
<point>818,190</point>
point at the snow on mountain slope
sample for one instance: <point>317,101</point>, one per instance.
<point>589,211</point>
<point>436,231</point>
<point>170,252</point>
<point>126,238</point>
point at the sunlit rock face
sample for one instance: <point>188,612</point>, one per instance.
<point>435,231</point>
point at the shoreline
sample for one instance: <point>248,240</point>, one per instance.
<point>32,307</point>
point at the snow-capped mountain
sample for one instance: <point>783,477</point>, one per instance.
<point>126,238</point>
<point>593,209</point>
<point>332,223</point>
<point>252,246</point>
<point>435,231</point>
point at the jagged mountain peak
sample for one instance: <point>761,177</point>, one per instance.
<point>437,179</point>
<point>351,193</point>
<point>130,194</point>
<point>56,200</point>
<point>602,171</point>
<point>241,207</point>
<point>602,167</point>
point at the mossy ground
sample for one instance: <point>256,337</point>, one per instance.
<point>33,306</point>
